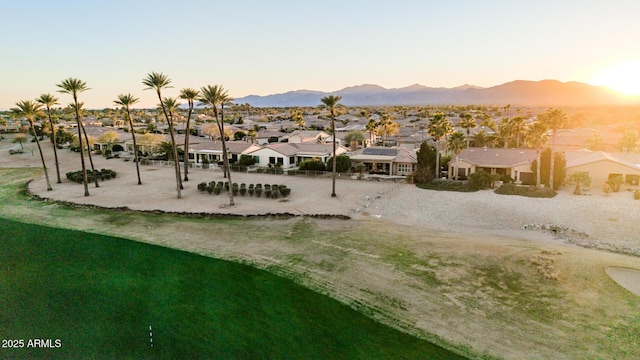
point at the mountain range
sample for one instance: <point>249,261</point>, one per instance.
<point>519,92</point>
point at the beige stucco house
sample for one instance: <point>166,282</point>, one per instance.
<point>396,161</point>
<point>515,163</point>
<point>602,166</point>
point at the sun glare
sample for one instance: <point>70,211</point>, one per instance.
<point>623,77</point>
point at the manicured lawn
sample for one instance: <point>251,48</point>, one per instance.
<point>99,295</point>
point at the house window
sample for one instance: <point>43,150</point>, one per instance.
<point>403,168</point>
<point>281,161</point>
<point>292,160</point>
<point>272,160</point>
<point>257,159</point>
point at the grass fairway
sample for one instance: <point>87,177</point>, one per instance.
<point>99,295</point>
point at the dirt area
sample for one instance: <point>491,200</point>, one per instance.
<point>457,268</point>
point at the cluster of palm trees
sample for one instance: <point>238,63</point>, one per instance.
<point>513,131</point>
<point>214,96</point>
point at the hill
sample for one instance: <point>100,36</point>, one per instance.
<point>521,92</point>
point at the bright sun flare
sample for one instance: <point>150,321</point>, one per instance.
<point>623,77</point>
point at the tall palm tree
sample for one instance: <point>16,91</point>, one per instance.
<point>330,102</point>
<point>536,137</point>
<point>214,96</point>
<point>554,119</point>
<point>439,127</point>
<point>30,109</point>
<point>172,106</point>
<point>74,86</point>
<point>190,95</point>
<point>86,137</point>
<point>126,101</point>
<point>158,81</point>
<point>467,122</point>
<point>456,143</point>
<point>49,100</point>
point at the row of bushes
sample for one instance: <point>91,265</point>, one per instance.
<point>270,191</point>
<point>102,174</point>
<point>528,191</point>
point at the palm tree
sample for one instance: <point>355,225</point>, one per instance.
<point>30,110</point>
<point>387,127</point>
<point>439,126</point>
<point>49,100</point>
<point>86,137</point>
<point>190,95</point>
<point>126,101</point>
<point>74,86</point>
<point>456,143</point>
<point>467,122</point>
<point>536,137</point>
<point>216,96</point>
<point>158,81</point>
<point>554,119</point>
<point>372,128</point>
<point>330,102</point>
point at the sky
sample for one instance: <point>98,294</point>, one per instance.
<point>267,47</point>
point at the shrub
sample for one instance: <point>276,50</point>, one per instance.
<point>636,195</point>
<point>226,186</point>
<point>267,191</point>
<point>243,189</point>
<point>246,160</point>
<point>103,174</point>
<point>446,185</point>
<point>251,189</point>
<point>343,163</point>
<point>313,164</point>
<point>258,190</point>
<point>117,147</point>
<point>210,188</point>
<point>506,179</point>
<point>234,189</point>
<point>285,191</point>
<point>480,180</point>
<point>202,186</point>
<point>275,193</point>
<point>615,183</point>
<point>528,191</point>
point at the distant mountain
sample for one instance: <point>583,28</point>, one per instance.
<point>520,92</point>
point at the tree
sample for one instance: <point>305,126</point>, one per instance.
<point>20,139</point>
<point>439,127</point>
<point>331,102</point>
<point>426,164</point>
<point>560,172</point>
<point>314,164</point>
<point>158,82</point>
<point>595,142</point>
<point>536,137</point>
<point>74,86</point>
<point>126,101</point>
<point>31,109</point>
<point>215,96</point>
<point>49,101</point>
<point>190,95</point>
<point>343,163</point>
<point>372,128</point>
<point>296,116</point>
<point>554,119</point>
<point>467,122</point>
<point>387,127</point>
<point>353,138</point>
<point>629,140</point>
<point>579,178</point>
<point>109,138</point>
<point>456,143</point>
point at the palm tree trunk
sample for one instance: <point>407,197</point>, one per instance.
<point>84,166</point>
<point>135,147</point>
<point>437,160</point>
<point>186,145</point>
<point>44,166</point>
<point>93,169</point>
<point>333,131</point>
<point>173,145</point>
<point>55,147</point>
<point>225,156</point>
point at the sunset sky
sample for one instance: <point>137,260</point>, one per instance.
<point>266,47</point>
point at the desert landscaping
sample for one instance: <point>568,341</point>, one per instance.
<point>471,271</point>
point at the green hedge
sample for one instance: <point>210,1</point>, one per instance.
<point>273,191</point>
<point>102,174</point>
<point>528,191</point>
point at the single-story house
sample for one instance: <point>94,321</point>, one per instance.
<point>211,151</point>
<point>305,136</point>
<point>397,161</point>
<point>515,163</point>
<point>289,155</point>
<point>602,166</point>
